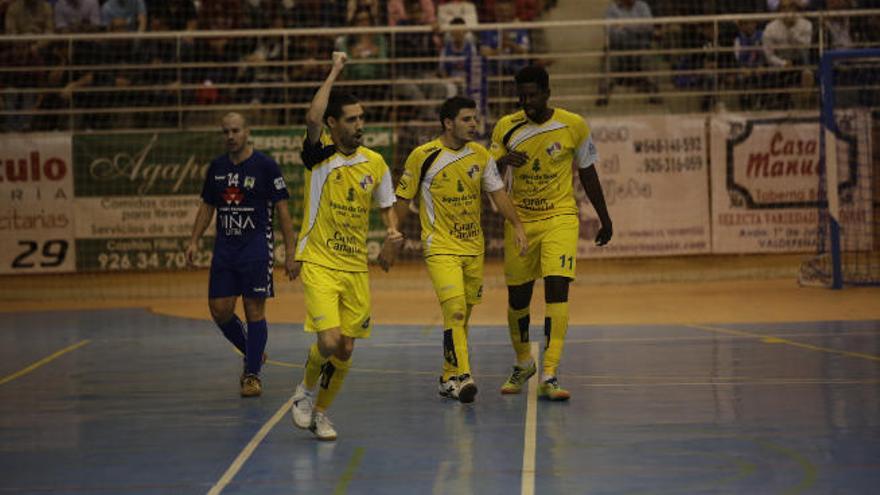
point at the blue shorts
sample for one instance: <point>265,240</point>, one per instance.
<point>252,279</point>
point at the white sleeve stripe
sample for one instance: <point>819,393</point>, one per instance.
<point>491,178</point>
<point>384,194</point>
<point>586,154</point>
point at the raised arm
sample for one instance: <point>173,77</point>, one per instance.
<point>590,180</point>
<point>315,115</point>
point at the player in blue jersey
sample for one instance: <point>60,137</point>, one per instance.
<point>244,187</point>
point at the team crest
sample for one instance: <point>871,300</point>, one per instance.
<point>249,182</point>
<point>366,181</point>
<point>554,149</point>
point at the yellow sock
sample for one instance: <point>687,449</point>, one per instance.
<point>455,349</point>
<point>518,327</point>
<point>555,328</point>
<point>314,364</point>
<point>331,381</point>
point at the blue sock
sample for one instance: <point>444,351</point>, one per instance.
<point>258,333</point>
<point>234,332</point>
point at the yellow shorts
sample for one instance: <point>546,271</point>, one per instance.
<point>336,298</point>
<point>552,250</point>
<point>456,275</point>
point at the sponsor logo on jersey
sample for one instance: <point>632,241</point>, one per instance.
<point>232,195</point>
<point>473,171</point>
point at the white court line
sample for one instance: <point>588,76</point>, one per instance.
<point>531,430</point>
<point>249,448</point>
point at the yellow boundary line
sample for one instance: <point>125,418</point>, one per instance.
<point>771,339</point>
<point>41,362</point>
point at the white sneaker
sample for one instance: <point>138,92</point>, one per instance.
<point>303,402</point>
<point>322,427</point>
<point>449,388</point>
<point>467,389</point>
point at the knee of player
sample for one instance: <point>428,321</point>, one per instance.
<point>556,289</point>
<point>220,313</point>
<point>345,349</point>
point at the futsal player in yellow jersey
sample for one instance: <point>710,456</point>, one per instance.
<point>342,179</point>
<point>541,145</point>
<point>449,174</point>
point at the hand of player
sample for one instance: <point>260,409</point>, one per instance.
<point>522,242</point>
<point>339,59</point>
<point>514,159</point>
<point>390,249</point>
<point>191,250</point>
<point>604,234</point>
<point>292,267</point>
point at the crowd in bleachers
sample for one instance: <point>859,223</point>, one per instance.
<point>150,72</point>
<point>748,55</point>
<point>226,61</point>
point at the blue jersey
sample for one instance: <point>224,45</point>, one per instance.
<point>244,196</point>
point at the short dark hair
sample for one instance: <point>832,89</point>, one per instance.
<point>450,108</point>
<point>534,74</point>
<point>456,21</point>
<point>336,101</point>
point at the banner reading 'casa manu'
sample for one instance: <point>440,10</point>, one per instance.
<point>765,181</point>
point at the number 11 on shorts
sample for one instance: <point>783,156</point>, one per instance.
<point>565,258</point>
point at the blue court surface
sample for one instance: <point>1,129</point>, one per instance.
<point>130,402</point>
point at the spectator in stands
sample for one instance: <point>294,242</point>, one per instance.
<point>786,44</point>
<point>411,12</point>
<point>220,14</point>
<point>29,17</point>
<point>505,43</point>
<point>24,17</point>
<point>134,12</point>
<point>172,15</point>
<point>838,34</point>
<point>462,9</point>
<point>526,10</point>
<point>774,5</point>
<point>628,37</point>
<point>457,54</point>
<point>362,49</point>
<point>164,54</point>
<point>77,16</point>
<point>425,46</point>
<point>698,70</point>
<point>748,55</point>
<point>353,6</point>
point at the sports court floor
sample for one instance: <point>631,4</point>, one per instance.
<point>739,387</point>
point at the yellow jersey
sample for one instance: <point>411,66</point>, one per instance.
<point>449,184</point>
<point>338,191</point>
<point>543,187</point>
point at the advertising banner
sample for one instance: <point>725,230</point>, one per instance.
<point>36,199</point>
<point>765,181</point>
<point>137,194</point>
<point>654,174</point>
